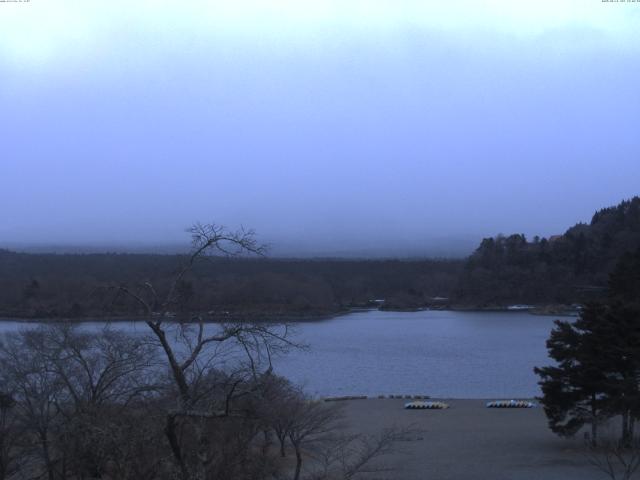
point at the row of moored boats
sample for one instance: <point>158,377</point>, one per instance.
<point>420,405</point>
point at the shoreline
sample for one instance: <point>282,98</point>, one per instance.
<point>279,317</point>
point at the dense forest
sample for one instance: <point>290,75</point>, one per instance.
<point>76,286</point>
<point>567,268</point>
<point>564,269</point>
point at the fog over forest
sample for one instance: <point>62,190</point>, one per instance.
<point>334,129</point>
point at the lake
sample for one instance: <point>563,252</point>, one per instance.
<point>439,353</point>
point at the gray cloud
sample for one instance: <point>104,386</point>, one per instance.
<point>361,141</point>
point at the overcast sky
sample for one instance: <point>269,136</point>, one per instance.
<point>332,125</point>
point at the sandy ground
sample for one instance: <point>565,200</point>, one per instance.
<point>471,442</point>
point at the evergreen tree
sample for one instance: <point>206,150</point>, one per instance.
<point>624,321</point>
<point>598,360</point>
<point>620,335</point>
<point>624,281</point>
<point>574,391</point>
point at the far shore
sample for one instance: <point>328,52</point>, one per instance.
<point>287,317</point>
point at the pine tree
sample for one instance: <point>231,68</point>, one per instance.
<point>597,375</point>
<point>620,333</point>
<point>575,390</point>
<point>624,321</point>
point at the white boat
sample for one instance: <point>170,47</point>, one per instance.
<point>520,307</point>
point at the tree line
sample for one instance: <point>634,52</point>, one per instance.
<point>78,286</point>
<point>563,269</point>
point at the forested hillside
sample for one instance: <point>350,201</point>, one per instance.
<point>566,269</point>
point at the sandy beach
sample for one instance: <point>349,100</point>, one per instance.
<point>470,442</point>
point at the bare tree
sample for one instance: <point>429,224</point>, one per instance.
<point>280,399</point>
<point>10,436</point>
<point>347,456</point>
<point>69,387</point>
<point>191,350</point>
<point>101,376</point>
<point>36,391</point>
<point>310,422</point>
<point>316,431</point>
<point>98,369</point>
<point>617,459</point>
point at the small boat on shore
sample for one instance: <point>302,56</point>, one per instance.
<point>510,404</point>
<point>425,405</point>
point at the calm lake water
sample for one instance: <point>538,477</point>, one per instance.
<point>437,353</point>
